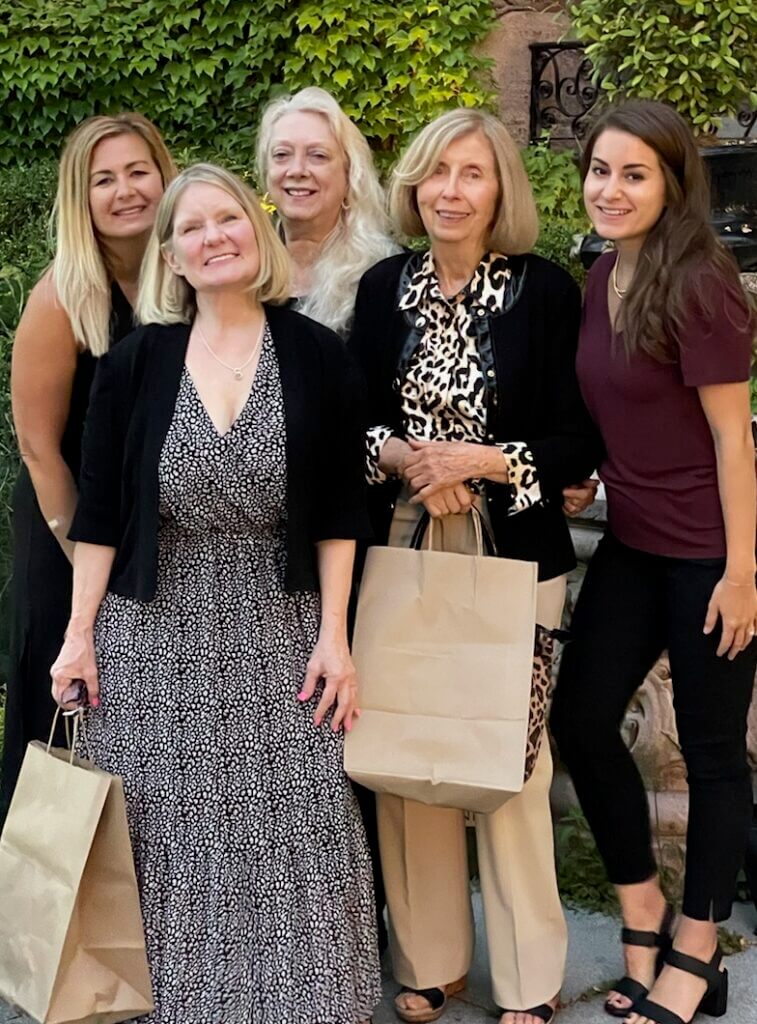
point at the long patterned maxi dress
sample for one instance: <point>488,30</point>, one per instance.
<point>254,875</point>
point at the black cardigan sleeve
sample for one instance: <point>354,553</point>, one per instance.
<point>573,450</point>
<point>372,342</point>
<point>340,507</point>
<point>97,516</point>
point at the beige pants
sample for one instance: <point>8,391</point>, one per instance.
<point>425,863</point>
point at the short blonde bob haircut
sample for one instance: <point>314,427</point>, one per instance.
<point>515,227</point>
<point>166,297</point>
<point>80,273</point>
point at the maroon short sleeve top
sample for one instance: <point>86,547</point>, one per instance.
<point>660,472</point>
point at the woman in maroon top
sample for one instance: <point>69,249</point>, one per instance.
<point>663,363</point>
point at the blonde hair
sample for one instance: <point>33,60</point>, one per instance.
<point>80,274</point>
<point>167,298</point>
<point>362,235</point>
<point>515,227</point>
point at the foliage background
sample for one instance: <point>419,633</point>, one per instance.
<point>698,55</point>
<point>202,69</point>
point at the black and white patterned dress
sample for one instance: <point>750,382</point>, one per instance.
<point>253,870</point>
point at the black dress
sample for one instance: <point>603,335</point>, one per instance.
<point>41,588</point>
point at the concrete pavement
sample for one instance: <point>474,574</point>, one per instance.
<point>593,961</point>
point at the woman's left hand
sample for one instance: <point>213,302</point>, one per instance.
<point>331,661</point>
<point>436,465</point>
<point>736,605</point>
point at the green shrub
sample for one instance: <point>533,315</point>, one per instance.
<point>698,55</point>
<point>27,192</point>
<point>581,876</point>
<point>201,70</point>
<point>557,242</point>
<point>556,184</point>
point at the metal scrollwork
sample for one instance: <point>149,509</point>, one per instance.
<point>562,91</point>
<point>747,119</point>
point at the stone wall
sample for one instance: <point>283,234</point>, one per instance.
<point>519,25</point>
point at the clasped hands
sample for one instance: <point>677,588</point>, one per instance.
<point>436,473</point>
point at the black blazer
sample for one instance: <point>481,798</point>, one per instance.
<point>131,407</point>
<point>536,399</point>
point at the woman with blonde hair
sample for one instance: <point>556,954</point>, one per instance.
<point>319,172</point>
<point>468,352</point>
<point>112,175</point>
<point>221,498</point>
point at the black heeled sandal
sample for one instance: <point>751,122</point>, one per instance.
<point>662,941</point>
<point>715,1000</point>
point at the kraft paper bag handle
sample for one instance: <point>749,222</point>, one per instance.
<point>79,724</point>
<point>484,536</point>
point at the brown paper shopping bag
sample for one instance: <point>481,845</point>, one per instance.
<point>443,647</point>
<point>71,940</point>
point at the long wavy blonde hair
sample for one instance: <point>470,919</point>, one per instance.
<point>80,273</point>
<point>166,297</point>
<point>362,235</point>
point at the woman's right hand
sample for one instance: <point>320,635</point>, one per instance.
<point>449,501</point>
<point>76,661</point>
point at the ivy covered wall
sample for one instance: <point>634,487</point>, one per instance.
<point>202,69</point>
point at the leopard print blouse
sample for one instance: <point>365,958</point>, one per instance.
<point>443,391</point>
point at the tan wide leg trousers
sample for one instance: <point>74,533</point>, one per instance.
<point>425,863</point>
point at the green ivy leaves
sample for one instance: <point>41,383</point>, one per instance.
<point>698,55</point>
<point>202,70</point>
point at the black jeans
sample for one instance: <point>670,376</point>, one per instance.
<point>632,606</point>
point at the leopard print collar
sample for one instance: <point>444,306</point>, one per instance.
<point>486,289</point>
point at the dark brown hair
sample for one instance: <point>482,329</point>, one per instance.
<point>681,250</point>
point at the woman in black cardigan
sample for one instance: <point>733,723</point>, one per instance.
<point>221,496</point>
<point>468,353</point>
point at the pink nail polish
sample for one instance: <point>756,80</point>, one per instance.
<point>302,695</point>
<point>95,702</point>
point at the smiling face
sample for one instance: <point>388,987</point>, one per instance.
<point>307,171</point>
<point>624,189</point>
<point>125,187</point>
<point>213,244</point>
<point>458,201</point>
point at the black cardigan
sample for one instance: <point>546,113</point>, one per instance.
<point>131,407</point>
<point>536,399</point>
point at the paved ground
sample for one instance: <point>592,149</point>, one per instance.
<point>593,960</point>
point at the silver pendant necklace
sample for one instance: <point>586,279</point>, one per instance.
<point>236,370</point>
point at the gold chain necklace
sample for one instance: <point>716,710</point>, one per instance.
<point>236,370</point>
<point>620,292</point>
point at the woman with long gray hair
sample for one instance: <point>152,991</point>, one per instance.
<point>319,172</point>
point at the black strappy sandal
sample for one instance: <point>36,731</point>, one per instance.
<point>543,1011</point>
<point>437,997</point>
<point>715,1000</point>
<point>662,941</point>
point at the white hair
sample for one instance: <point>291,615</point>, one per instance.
<point>361,237</point>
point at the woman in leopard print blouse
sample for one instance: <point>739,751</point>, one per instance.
<point>468,351</point>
